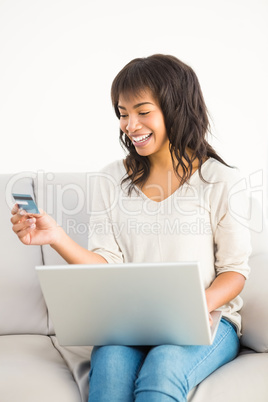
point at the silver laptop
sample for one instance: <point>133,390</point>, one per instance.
<point>128,304</point>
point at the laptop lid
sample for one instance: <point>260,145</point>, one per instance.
<point>127,304</point>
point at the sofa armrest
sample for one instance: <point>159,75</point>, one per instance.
<point>255,310</point>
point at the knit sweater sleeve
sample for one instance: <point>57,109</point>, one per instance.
<point>229,216</point>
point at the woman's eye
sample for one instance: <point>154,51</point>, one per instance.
<point>123,116</point>
<point>144,113</point>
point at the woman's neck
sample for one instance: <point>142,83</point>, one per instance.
<point>163,161</point>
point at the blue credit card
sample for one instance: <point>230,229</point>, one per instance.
<point>26,202</point>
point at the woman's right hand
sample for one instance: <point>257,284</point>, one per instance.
<point>34,229</point>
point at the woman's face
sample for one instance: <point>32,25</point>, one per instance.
<point>142,120</point>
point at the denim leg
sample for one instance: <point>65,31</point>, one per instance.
<point>169,372</point>
<point>114,370</point>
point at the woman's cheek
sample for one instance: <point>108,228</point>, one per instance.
<point>123,126</point>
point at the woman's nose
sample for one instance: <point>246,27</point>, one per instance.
<point>133,124</point>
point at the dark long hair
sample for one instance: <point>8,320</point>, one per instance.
<point>176,88</point>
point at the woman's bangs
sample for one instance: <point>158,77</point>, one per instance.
<point>132,82</point>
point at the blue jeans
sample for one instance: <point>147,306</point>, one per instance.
<point>160,373</point>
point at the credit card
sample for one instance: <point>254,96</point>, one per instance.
<point>26,202</point>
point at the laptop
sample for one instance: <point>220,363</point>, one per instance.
<point>128,304</point>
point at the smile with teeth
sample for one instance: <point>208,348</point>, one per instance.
<point>141,138</point>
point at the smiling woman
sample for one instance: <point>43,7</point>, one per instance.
<point>161,95</point>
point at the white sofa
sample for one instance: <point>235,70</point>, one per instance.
<point>34,368</point>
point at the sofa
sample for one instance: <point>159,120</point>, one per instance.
<point>35,368</point>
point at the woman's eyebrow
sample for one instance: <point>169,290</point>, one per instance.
<point>136,106</point>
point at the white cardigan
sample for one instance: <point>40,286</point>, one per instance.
<point>201,221</point>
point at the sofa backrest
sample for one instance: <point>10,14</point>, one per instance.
<point>22,306</point>
<point>66,197</point>
<point>255,293</point>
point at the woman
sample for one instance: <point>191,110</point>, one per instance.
<point>171,195</point>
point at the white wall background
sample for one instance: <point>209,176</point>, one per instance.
<point>59,57</point>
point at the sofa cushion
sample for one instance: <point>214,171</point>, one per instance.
<point>32,370</point>
<point>22,306</point>
<point>243,379</point>
<point>255,310</point>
